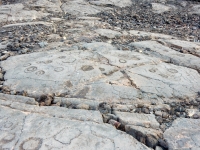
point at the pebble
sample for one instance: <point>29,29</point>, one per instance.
<point>158,113</point>
<point>159,119</point>
<point>165,115</point>
<point>195,116</point>
<point>104,108</point>
<point>145,110</point>
<point>180,109</point>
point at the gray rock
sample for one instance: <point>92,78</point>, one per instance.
<point>83,106</point>
<point>191,47</point>
<point>147,136</point>
<point>81,8</point>
<point>22,130</point>
<point>150,34</point>
<point>18,98</point>
<point>156,49</point>
<point>55,111</point>
<point>29,23</point>
<point>143,120</point>
<point>160,8</point>
<point>183,134</point>
<point>15,12</point>
<point>195,9</point>
<point>93,105</point>
<point>98,46</point>
<point>108,33</point>
<point>162,79</point>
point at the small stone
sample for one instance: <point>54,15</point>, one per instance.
<point>173,104</point>
<point>165,115</point>
<point>178,114</point>
<point>104,108</point>
<point>48,100</point>
<point>159,119</point>
<point>195,116</point>
<point>180,109</point>
<point>145,110</point>
<point>114,123</point>
<point>83,106</point>
<point>158,113</point>
<point>162,143</point>
<point>42,44</point>
<point>140,105</point>
<point>151,141</point>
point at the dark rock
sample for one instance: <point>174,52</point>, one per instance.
<point>104,108</point>
<point>163,143</point>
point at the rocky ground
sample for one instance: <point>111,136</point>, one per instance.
<point>100,74</point>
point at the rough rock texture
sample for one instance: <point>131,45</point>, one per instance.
<point>75,72</point>
<point>183,134</point>
<point>43,132</point>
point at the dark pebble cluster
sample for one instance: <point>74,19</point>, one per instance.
<point>141,17</point>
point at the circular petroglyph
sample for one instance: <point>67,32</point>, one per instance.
<point>70,133</point>
<point>40,72</point>
<point>9,137</point>
<point>8,124</point>
<point>163,75</point>
<point>40,62</point>
<point>153,70</point>
<point>122,61</point>
<point>26,65</point>
<point>59,69</point>
<point>48,61</point>
<point>69,60</point>
<point>62,57</point>
<point>172,70</point>
<point>30,69</point>
<point>32,144</point>
<point>87,68</point>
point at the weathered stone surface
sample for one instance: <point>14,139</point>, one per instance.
<point>17,98</point>
<point>50,6</point>
<point>195,9</point>
<point>80,8</point>
<point>143,120</point>
<point>84,70</point>
<point>42,132</point>
<point>76,101</point>
<point>166,80</point>
<point>28,23</point>
<point>54,111</point>
<point>160,8</point>
<point>183,134</point>
<point>150,34</point>
<point>98,46</point>
<point>15,12</point>
<point>108,33</point>
<point>147,136</point>
<point>191,47</point>
<point>167,54</point>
